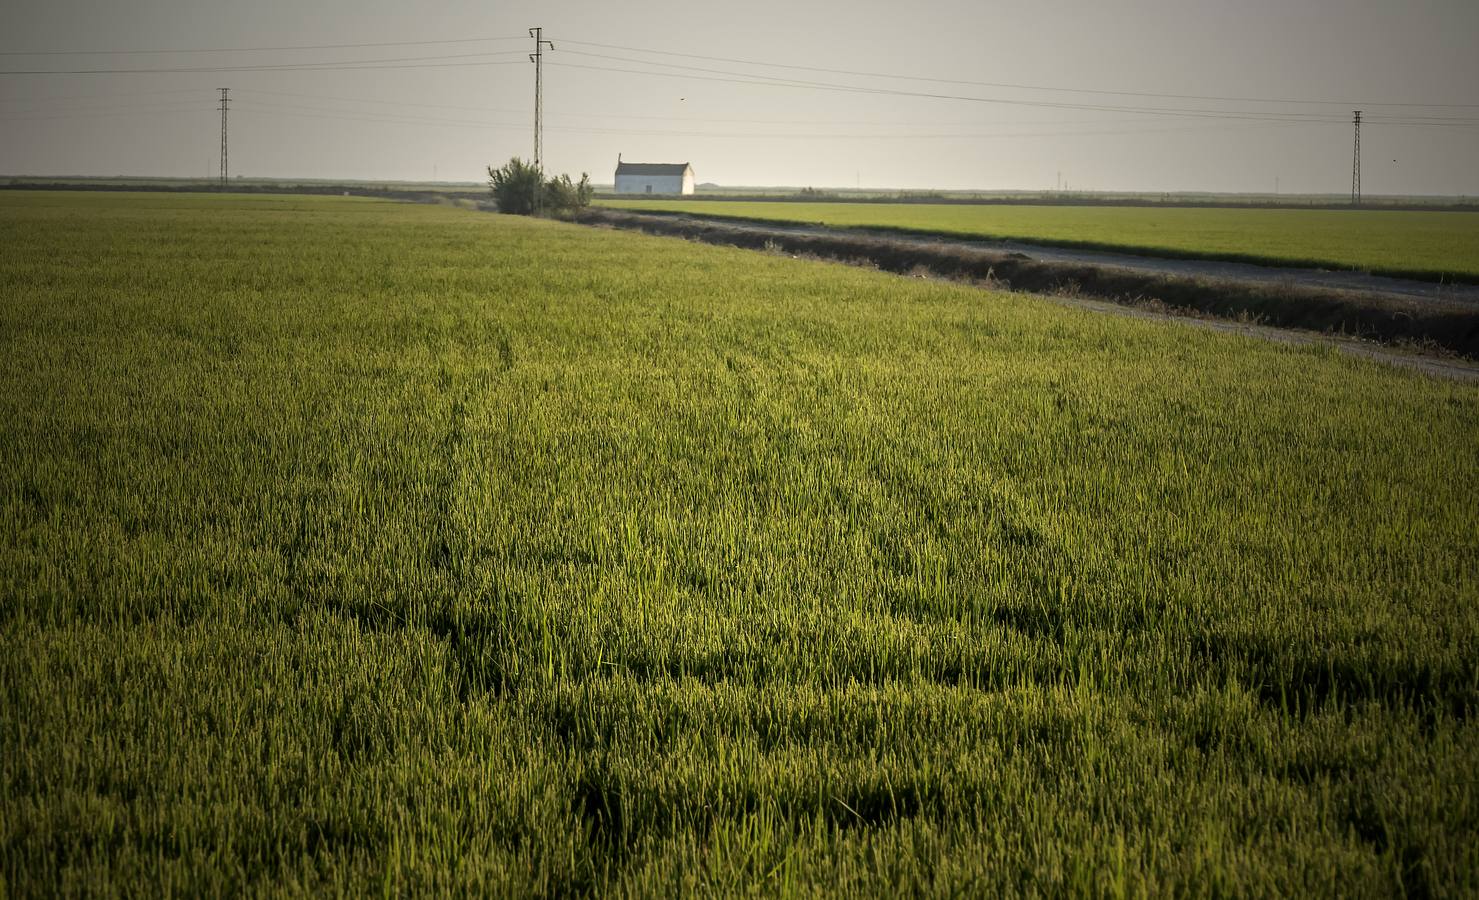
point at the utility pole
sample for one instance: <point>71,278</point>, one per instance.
<point>537,57</point>
<point>225,104</point>
<point>1356,165</point>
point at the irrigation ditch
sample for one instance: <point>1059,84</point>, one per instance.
<point>1434,334</point>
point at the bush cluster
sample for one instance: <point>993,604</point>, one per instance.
<point>520,188</point>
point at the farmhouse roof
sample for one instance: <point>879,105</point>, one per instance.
<point>626,168</point>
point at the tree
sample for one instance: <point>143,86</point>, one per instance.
<point>515,187</point>
<point>518,188</point>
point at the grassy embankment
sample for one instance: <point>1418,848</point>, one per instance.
<point>382,547</point>
<point>1426,245</point>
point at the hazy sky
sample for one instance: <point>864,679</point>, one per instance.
<point>448,109</point>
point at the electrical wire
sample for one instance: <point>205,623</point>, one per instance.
<point>770,81</point>
<point>289,48</point>
<point>744,78</point>
<point>813,122</point>
<point>99,96</point>
<point>388,63</point>
<point>106,113</point>
<point>13,114</point>
<point>417,104</point>
<point>643,117</point>
<point>1008,85</point>
<point>406,119</point>
<point>1043,104</point>
<point>348,64</point>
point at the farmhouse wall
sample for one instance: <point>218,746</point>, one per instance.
<point>654,184</point>
<point>654,178</point>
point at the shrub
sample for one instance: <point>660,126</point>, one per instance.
<point>561,195</point>
<point>519,188</point>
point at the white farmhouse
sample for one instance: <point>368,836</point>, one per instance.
<point>653,178</point>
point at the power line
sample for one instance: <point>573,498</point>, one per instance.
<point>624,116</point>
<point>28,115</point>
<point>748,78</point>
<point>314,112</point>
<point>1043,104</point>
<point>64,113</point>
<point>125,111</point>
<point>813,122</point>
<point>628,116</point>
<point>771,81</point>
<point>289,48</point>
<point>130,94</point>
<point>48,105</point>
<point>998,84</point>
<point>669,53</point>
<point>397,118</point>
<point>331,65</point>
<point>415,105</point>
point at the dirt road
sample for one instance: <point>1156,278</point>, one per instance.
<point>1334,279</point>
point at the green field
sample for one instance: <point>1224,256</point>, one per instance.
<point>1426,244</point>
<point>371,548</point>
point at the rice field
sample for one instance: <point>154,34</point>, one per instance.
<point>1431,245</point>
<point>356,547</point>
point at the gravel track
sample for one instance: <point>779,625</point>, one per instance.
<point>1337,279</point>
